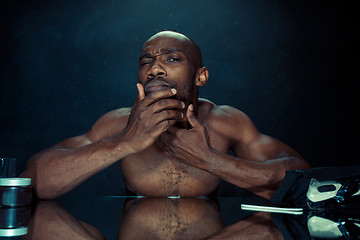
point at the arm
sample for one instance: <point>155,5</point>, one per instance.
<point>63,167</point>
<point>50,220</point>
<point>60,169</point>
<point>256,226</point>
<point>261,176</point>
<point>259,164</point>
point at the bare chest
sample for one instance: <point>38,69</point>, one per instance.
<point>152,172</point>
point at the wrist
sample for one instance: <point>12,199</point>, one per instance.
<point>209,160</point>
<point>214,160</point>
<point>118,147</point>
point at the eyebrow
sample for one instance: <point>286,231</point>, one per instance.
<point>162,51</point>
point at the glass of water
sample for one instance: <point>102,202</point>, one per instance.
<point>7,167</point>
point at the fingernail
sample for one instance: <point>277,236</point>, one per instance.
<point>182,105</point>
<point>182,115</point>
<point>173,90</point>
<point>191,107</point>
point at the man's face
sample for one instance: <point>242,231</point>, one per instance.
<point>166,62</point>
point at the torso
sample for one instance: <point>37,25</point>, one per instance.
<point>153,173</point>
<point>171,218</point>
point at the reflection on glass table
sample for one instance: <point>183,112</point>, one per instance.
<point>146,218</point>
<point>177,218</point>
<point>169,218</point>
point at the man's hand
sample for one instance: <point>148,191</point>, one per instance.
<point>150,116</point>
<point>192,146</point>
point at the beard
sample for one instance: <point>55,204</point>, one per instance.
<point>184,92</point>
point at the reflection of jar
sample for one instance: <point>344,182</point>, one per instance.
<point>15,200</point>
<point>15,192</point>
<point>14,221</point>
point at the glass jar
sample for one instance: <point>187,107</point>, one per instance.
<point>15,192</point>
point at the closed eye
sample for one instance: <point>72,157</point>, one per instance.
<point>145,62</point>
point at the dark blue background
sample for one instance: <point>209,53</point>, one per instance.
<point>292,66</point>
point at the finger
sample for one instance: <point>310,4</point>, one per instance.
<point>161,127</point>
<point>167,104</point>
<point>157,95</point>
<point>191,117</point>
<point>141,92</point>
<point>168,115</point>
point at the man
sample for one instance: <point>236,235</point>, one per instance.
<point>170,143</point>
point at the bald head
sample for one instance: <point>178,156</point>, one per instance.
<point>194,51</point>
<point>170,34</point>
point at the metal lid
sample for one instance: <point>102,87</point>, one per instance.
<point>15,182</point>
<point>12,232</point>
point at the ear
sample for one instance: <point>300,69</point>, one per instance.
<point>202,76</point>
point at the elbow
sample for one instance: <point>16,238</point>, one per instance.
<point>305,165</point>
<point>42,186</point>
<point>274,178</point>
<point>270,178</point>
<point>44,191</point>
<point>45,188</point>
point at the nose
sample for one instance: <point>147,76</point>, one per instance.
<point>156,70</point>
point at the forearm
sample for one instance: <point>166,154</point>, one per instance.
<point>260,177</point>
<point>256,226</point>
<point>57,171</point>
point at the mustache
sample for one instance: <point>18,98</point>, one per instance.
<point>156,81</point>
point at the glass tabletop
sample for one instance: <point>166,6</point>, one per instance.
<point>117,217</point>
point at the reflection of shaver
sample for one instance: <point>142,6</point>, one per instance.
<point>334,227</point>
<point>323,228</point>
<point>344,193</point>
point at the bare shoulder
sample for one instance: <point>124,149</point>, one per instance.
<point>227,120</point>
<point>247,141</point>
<point>109,124</point>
